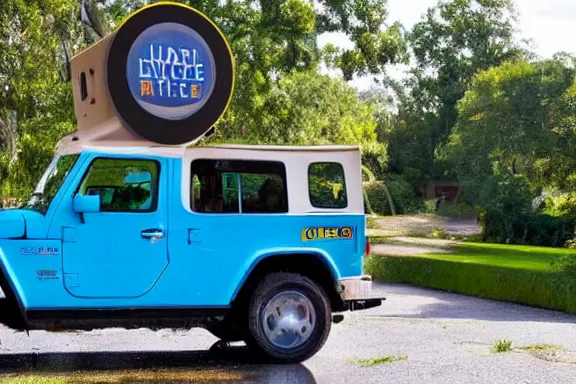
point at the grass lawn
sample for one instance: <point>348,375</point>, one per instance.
<point>520,274</point>
<point>498,255</point>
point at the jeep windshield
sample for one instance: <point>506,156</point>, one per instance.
<point>50,182</point>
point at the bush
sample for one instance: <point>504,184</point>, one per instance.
<point>544,289</point>
<point>401,193</point>
<point>563,205</point>
<point>508,216</point>
<point>404,197</point>
<point>377,198</point>
<point>460,210</point>
<point>526,228</point>
<point>565,264</point>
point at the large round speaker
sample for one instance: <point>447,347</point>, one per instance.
<point>170,73</point>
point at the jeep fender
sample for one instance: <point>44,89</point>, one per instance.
<point>319,258</point>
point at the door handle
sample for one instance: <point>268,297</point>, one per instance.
<point>152,234</point>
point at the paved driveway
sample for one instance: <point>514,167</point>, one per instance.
<point>446,338</point>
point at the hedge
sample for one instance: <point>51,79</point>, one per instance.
<point>543,289</point>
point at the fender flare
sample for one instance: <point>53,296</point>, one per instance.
<point>266,255</point>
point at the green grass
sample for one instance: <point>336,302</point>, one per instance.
<point>499,255</point>
<point>542,347</point>
<point>519,274</point>
<point>372,362</point>
<point>502,346</point>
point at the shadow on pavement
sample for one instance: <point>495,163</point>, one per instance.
<point>446,305</point>
<point>231,365</point>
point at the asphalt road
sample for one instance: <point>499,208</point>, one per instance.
<point>446,338</point>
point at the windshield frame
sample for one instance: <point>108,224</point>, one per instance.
<point>39,201</point>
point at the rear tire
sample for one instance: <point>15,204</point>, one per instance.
<point>289,318</point>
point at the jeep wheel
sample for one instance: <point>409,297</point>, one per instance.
<point>289,318</point>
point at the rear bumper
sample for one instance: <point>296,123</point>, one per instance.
<point>357,293</point>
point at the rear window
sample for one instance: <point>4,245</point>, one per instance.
<point>238,186</point>
<point>327,186</point>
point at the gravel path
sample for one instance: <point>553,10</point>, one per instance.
<point>403,250</point>
<point>423,224</point>
<point>445,337</point>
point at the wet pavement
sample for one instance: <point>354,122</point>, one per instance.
<point>436,337</point>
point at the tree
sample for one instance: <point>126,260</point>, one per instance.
<point>35,97</point>
<point>517,119</point>
<point>454,40</point>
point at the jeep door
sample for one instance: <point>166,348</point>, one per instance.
<point>121,250</point>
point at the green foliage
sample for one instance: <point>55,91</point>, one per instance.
<point>404,197</point>
<point>528,228</point>
<point>507,215</point>
<point>306,108</point>
<point>377,199</point>
<point>507,122</point>
<point>565,263</point>
<point>460,210</point>
<point>375,158</point>
<point>375,361</point>
<point>453,41</point>
<point>401,193</point>
<point>440,233</point>
<point>539,288</point>
<point>563,205</point>
<point>35,96</point>
<point>502,346</point>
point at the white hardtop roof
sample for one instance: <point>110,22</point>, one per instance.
<point>74,144</point>
<point>182,152</point>
<point>313,148</point>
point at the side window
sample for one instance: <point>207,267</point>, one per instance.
<point>327,186</point>
<point>124,185</point>
<point>238,186</point>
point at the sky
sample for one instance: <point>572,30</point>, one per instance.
<point>550,24</point>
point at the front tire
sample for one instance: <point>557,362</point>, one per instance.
<point>289,318</point>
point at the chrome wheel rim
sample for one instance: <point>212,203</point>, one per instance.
<point>288,319</point>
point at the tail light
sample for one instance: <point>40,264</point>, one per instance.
<point>367,250</point>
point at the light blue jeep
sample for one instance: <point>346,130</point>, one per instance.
<point>131,227</point>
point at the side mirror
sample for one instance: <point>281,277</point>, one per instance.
<point>86,204</point>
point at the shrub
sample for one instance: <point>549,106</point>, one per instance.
<point>502,346</point>
<point>565,264</point>
<point>376,198</point>
<point>460,209</point>
<point>544,289</point>
<point>404,197</point>
<point>563,205</point>
<point>508,215</point>
<point>526,228</point>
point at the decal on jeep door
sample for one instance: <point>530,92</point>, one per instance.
<point>39,251</point>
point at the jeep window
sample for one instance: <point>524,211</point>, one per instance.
<point>50,183</point>
<point>238,186</point>
<point>124,185</point>
<point>327,186</point>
